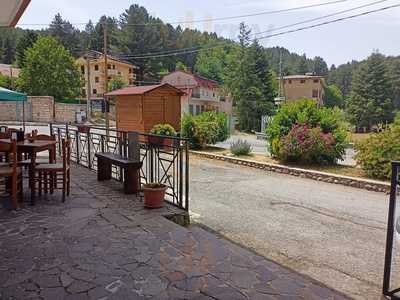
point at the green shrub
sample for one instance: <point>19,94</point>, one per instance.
<point>375,154</point>
<point>205,129</point>
<point>240,147</point>
<point>303,132</point>
<point>163,129</point>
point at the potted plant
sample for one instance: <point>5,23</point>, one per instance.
<point>161,132</point>
<point>154,194</point>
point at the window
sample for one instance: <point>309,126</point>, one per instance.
<point>131,81</point>
<point>316,80</point>
<point>83,93</point>
<point>96,67</point>
<point>96,79</point>
<point>109,66</point>
<point>113,67</point>
<point>191,109</point>
<point>109,77</point>
<point>119,73</point>
<point>83,69</point>
<point>130,71</point>
<point>202,108</point>
<point>290,82</point>
<point>315,93</point>
<point>302,81</point>
<point>94,91</point>
<point>197,109</point>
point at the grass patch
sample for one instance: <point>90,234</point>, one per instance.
<point>358,137</point>
<point>333,169</point>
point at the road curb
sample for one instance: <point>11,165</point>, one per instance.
<point>366,184</point>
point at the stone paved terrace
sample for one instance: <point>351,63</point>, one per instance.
<point>101,244</point>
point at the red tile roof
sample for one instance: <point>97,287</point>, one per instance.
<point>141,90</point>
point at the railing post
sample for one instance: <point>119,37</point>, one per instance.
<point>151,158</point>
<point>67,130</point>
<point>390,229</point>
<point>186,176</point>
<point>51,128</point>
<point>77,146</point>
<point>88,150</point>
<point>180,149</point>
<point>59,140</point>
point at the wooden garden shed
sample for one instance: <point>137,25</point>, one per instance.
<point>139,108</point>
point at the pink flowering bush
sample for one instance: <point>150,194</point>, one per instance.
<point>307,145</point>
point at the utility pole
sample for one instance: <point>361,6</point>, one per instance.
<point>88,87</point>
<point>280,75</point>
<point>106,80</point>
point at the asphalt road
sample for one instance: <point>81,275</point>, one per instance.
<point>333,233</point>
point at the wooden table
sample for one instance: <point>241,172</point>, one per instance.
<point>32,148</point>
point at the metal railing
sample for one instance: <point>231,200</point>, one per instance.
<point>167,163</point>
<point>391,276</point>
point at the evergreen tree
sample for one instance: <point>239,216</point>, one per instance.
<point>8,50</point>
<point>370,101</point>
<point>320,67</point>
<point>25,42</point>
<point>333,96</point>
<point>302,66</point>
<point>66,34</point>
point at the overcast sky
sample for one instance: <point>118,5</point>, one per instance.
<point>336,43</point>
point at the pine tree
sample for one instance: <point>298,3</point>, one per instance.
<point>370,102</point>
<point>25,42</point>
<point>66,34</point>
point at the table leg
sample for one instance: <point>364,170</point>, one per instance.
<point>103,169</point>
<point>32,176</point>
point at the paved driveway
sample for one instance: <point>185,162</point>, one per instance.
<point>332,233</point>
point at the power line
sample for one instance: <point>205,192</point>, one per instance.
<point>271,35</point>
<point>322,17</point>
<point>213,19</point>
<point>258,33</point>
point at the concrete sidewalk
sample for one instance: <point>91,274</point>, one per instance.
<point>101,244</point>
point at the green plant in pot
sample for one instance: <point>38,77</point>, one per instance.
<point>154,194</point>
<point>161,133</point>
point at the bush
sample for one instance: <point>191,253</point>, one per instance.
<point>205,129</point>
<point>375,154</point>
<point>163,129</point>
<point>240,147</point>
<point>303,132</point>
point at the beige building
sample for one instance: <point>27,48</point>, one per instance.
<point>93,72</point>
<point>298,86</point>
<point>202,94</point>
<point>9,70</point>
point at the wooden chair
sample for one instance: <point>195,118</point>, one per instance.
<point>12,173</point>
<point>53,174</point>
<point>4,155</point>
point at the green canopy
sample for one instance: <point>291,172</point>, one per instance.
<point>8,95</point>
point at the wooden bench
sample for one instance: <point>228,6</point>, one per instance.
<point>131,169</point>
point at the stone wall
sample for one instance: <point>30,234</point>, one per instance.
<point>41,109</point>
<point>370,185</point>
<point>66,112</point>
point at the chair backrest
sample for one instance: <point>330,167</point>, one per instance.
<point>45,137</point>
<point>66,153</point>
<point>3,129</point>
<point>11,149</point>
<point>5,135</point>
<point>5,147</point>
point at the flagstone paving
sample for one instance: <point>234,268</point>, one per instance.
<point>102,244</point>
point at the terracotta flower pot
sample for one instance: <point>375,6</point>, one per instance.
<point>160,142</point>
<point>154,195</point>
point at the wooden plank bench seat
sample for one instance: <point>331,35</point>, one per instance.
<point>131,169</point>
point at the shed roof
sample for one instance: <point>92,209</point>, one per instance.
<point>301,77</point>
<point>141,90</point>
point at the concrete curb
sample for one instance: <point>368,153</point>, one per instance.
<point>366,184</point>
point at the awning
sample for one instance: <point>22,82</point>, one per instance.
<point>11,11</point>
<point>9,95</point>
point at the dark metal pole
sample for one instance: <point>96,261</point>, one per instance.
<point>390,229</point>
<point>187,176</point>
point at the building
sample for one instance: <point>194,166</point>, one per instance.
<point>139,108</point>
<point>9,70</point>
<point>202,94</point>
<point>294,87</point>
<point>92,70</point>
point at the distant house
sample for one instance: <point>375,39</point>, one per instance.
<point>202,94</point>
<point>294,87</point>
<point>94,74</point>
<point>9,70</point>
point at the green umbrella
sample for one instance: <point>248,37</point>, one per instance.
<point>9,95</point>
